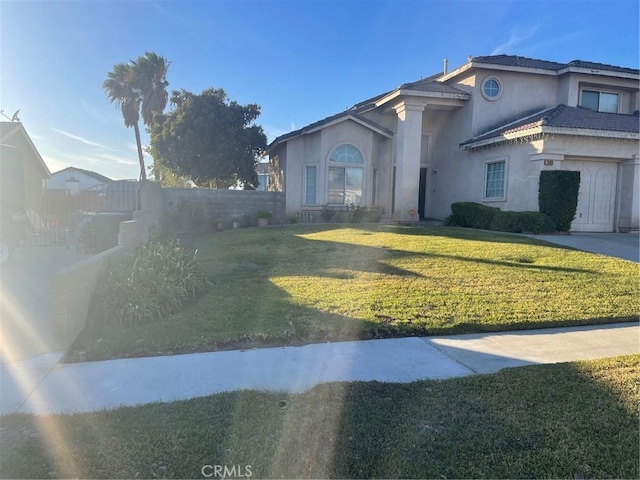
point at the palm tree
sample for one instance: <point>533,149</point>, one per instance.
<point>139,83</point>
<point>151,81</point>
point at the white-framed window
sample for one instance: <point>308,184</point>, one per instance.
<point>263,182</point>
<point>495,179</point>
<point>491,88</point>
<point>346,176</point>
<point>600,101</point>
<point>310,185</point>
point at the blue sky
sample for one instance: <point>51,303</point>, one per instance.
<point>299,60</point>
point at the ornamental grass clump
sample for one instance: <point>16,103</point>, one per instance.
<point>153,282</point>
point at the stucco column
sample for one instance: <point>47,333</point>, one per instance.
<point>629,195</point>
<point>408,145</point>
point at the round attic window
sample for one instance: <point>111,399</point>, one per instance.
<point>491,88</point>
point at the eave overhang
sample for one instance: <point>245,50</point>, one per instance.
<point>317,126</point>
<point>544,130</point>
<point>20,128</point>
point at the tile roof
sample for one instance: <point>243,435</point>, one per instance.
<point>432,84</point>
<point>602,66</point>
<point>327,120</point>
<point>562,116</point>
<point>428,85</point>
<point>517,61</point>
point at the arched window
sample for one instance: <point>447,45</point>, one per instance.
<point>346,176</point>
<point>346,153</point>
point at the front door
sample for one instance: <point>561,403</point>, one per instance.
<point>422,195</point>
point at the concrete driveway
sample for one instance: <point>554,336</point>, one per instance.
<point>26,323</point>
<point>621,245</point>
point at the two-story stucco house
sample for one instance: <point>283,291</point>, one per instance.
<point>483,133</point>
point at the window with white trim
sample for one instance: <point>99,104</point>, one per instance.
<point>495,179</point>
<point>263,182</point>
<point>346,176</point>
<point>491,88</point>
<point>310,177</point>
<point>600,101</point>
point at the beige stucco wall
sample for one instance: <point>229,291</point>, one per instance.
<point>461,176</point>
<point>314,149</point>
<point>626,89</point>
<point>521,93</point>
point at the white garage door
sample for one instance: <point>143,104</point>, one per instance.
<point>597,195</point>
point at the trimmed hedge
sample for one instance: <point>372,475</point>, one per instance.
<point>558,196</point>
<point>470,214</point>
<point>476,215</point>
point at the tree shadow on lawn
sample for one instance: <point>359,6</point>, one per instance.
<point>358,251</point>
<point>574,420</point>
<point>561,421</point>
<point>464,233</point>
<point>246,309</point>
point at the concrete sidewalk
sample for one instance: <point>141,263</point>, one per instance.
<point>42,385</point>
<point>620,245</point>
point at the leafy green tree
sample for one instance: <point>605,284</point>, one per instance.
<point>139,84</point>
<point>209,139</point>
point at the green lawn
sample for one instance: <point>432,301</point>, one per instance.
<point>575,420</point>
<point>315,283</point>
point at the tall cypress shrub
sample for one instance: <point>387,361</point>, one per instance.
<point>558,196</point>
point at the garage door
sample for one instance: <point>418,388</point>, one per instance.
<point>597,195</point>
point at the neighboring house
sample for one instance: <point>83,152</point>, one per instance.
<point>23,169</point>
<point>77,179</point>
<point>262,169</point>
<point>483,133</point>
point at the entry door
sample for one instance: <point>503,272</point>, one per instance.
<point>422,195</point>
<point>596,197</point>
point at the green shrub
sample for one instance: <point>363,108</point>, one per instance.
<point>476,215</point>
<point>154,281</point>
<point>351,214</point>
<point>505,222</point>
<point>470,214</point>
<point>536,222</point>
<point>327,214</point>
<point>558,196</point>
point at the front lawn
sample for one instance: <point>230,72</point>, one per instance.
<point>316,283</point>
<point>576,421</point>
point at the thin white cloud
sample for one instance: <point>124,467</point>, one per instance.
<point>518,36</point>
<point>78,138</point>
<point>573,39</point>
<point>273,132</point>
<point>117,159</point>
<point>94,113</point>
<point>172,15</point>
